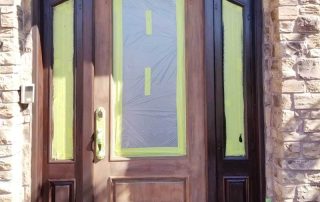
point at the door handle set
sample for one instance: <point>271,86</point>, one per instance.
<point>100,134</point>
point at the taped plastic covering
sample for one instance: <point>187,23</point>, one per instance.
<point>62,108</point>
<point>149,78</point>
<point>233,78</point>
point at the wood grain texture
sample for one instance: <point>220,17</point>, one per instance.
<point>62,190</point>
<point>37,107</point>
<point>154,189</point>
<point>102,73</point>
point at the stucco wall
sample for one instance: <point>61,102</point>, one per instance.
<point>292,99</point>
<point>15,119</point>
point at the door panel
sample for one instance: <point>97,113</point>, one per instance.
<point>163,176</point>
<point>62,191</point>
<point>154,189</point>
<point>236,189</point>
<point>67,108</point>
<point>58,162</point>
<point>234,115</point>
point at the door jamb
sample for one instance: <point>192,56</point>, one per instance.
<point>258,63</point>
<point>37,106</point>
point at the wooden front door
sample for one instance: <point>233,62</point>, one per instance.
<point>154,32</point>
<point>134,102</point>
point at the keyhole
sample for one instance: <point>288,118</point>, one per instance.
<point>99,147</point>
<point>240,138</point>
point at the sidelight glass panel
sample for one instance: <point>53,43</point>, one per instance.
<point>63,84</point>
<point>149,78</point>
<point>233,78</point>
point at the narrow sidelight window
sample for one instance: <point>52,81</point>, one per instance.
<point>63,81</point>
<point>233,61</point>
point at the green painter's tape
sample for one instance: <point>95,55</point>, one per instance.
<point>148,22</point>
<point>233,78</point>
<point>147,81</point>
<point>117,70</point>
<point>62,108</point>
<point>180,86</point>
<point>181,76</point>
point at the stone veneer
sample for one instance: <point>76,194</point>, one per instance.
<point>15,119</point>
<point>292,99</point>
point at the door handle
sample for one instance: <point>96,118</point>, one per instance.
<point>100,134</point>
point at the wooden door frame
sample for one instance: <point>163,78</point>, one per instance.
<point>37,107</point>
<point>211,87</point>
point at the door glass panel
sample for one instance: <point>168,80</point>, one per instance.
<point>63,84</point>
<point>149,99</point>
<point>233,78</point>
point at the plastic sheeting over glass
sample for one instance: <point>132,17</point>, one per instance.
<point>233,78</point>
<point>62,107</point>
<point>149,78</point>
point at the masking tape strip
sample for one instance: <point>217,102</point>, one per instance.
<point>148,22</point>
<point>181,83</point>
<point>117,70</point>
<point>147,81</point>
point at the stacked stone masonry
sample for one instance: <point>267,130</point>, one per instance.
<point>15,69</point>
<point>292,99</point>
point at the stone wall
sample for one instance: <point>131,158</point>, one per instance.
<point>15,69</point>
<point>292,99</point>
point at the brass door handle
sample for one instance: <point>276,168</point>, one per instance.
<point>100,134</point>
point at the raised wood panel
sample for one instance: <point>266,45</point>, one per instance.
<point>150,190</point>
<point>62,190</point>
<point>236,189</point>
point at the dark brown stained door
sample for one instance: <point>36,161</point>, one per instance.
<point>234,100</point>
<point>159,175</point>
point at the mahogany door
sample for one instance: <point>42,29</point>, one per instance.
<point>161,31</point>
